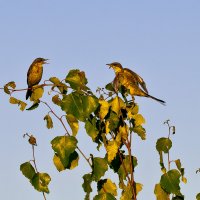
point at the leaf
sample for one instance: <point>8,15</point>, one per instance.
<point>170,182</point>
<point>160,193</point>
<point>100,166</point>
<point>113,121</point>
<point>112,148</point>
<point>37,93</point>
<point>11,85</point>
<point>117,104</point>
<point>57,162</point>
<point>64,147</point>
<point>34,106</point>
<point>126,166</point>
<point>40,182</point>
<point>56,100</point>
<point>104,108</point>
<point>138,120</point>
<point>105,196</point>
<point>124,130</point>
<point>91,129</point>
<point>139,187</point>
<point>161,162</point>
<point>132,111</point>
<point>49,121</point>
<point>73,123</point>
<point>79,106</point>
<point>163,144</point>
<point>87,180</point>
<point>27,170</point>
<point>198,196</point>
<point>107,186</point>
<point>18,102</point>
<point>140,131</point>
<point>127,193</point>
<point>61,86</point>
<point>110,87</point>
<point>77,80</point>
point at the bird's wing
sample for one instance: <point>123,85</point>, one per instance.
<point>139,79</point>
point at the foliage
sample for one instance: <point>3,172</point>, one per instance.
<point>111,121</point>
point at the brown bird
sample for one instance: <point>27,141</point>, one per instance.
<point>34,74</point>
<point>131,81</point>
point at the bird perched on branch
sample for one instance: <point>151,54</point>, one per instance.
<point>131,81</point>
<point>34,74</point>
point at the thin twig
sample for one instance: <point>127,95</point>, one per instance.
<point>67,132</point>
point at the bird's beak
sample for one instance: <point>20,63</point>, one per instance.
<point>45,61</point>
<point>109,65</point>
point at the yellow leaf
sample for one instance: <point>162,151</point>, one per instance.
<point>73,123</point>
<point>109,187</point>
<point>124,131</point>
<point>117,104</point>
<point>138,188</point>
<point>58,163</point>
<point>14,100</point>
<point>112,149</point>
<point>139,119</point>
<point>131,111</point>
<point>104,108</point>
<point>184,180</point>
<point>107,127</point>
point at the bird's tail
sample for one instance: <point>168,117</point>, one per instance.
<point>159,100</point>
<point>28,93</point>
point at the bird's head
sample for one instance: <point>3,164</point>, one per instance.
<point>40,60</point>
<point>117,67</point>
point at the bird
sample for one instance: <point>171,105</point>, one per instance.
<point>131,81</point>
<point>34,74</point>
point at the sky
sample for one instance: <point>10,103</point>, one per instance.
<point>160,40</point>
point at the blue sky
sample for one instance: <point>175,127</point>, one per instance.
<point>160,40</point>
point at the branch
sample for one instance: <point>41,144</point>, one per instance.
<point>67,132</point>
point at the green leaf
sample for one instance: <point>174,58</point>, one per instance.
<point>100,166</point>
<point>110,87</point>
<point>49,121</point>
<point>77,80</point>
<point>105,196</point>
<point>37,93</point>
<point>27,170</point>
<point>34,106</point>
<point>40,182</point>
<point>87,180</point>
<point>73,123</point>
<point>198,196</point>
<point>64,147</point>
<point>163,144</point>
<point>80,106</point>
<point>140,131</point>
<point>126,164</point>
<point>127,193</point>
<point>161,162</point>
<point>170,182</point>
<point>91,129</point>
<point>108,186</point>
<point>113,121</point>
<point>160,193</point>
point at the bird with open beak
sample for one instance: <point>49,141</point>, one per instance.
<point>34,74</point>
